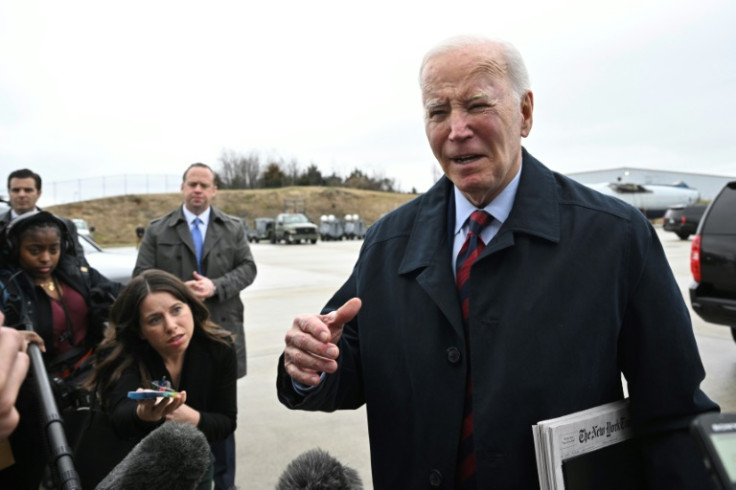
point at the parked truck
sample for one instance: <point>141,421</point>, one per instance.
<point>263,229</point>
<point>294,228</point>
<point>683,219</point>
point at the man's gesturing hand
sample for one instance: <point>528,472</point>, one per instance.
<point>311,343</point>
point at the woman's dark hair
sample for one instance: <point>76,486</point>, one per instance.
<point>32,222</point>
<point>123,344</point>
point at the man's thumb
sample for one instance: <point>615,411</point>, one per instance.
<point>346,312</point>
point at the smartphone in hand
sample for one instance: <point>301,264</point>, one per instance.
<point>146,394</point>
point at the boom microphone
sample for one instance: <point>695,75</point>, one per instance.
<point>317,470</point>
<point>172,457</point>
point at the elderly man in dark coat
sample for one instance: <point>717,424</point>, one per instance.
<point>560,290</point>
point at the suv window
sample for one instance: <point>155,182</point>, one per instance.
<point>721,218</point>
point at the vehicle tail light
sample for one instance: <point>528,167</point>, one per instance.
<point>683,219</point>
<point>695,258</point>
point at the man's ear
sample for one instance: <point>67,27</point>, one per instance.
<point>527,108</point>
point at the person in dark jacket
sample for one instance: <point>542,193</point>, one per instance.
<point>161,334</point>
<point>48,292</point>
<point>561,292</point>
<point>24,190</point>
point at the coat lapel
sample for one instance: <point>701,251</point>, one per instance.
<point>214,233</point>
<point>428,253</point>
<point>178,222</point>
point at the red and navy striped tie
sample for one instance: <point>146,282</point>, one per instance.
<point>470,250</point>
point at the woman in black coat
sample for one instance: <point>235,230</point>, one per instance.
<point>160,334</point>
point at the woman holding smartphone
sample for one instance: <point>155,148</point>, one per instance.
<point>160,335</point>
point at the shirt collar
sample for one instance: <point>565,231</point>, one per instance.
<point>14,215</point>
<point>499,208</point>
<point>189,216</point>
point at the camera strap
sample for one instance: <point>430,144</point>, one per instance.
<point>65,364</point>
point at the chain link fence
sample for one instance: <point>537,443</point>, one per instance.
<point>107,186</point>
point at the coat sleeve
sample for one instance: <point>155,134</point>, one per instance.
<point>660,360</point>
<point>220,418</point>
<point>122,410</point>
<point>243,270</point>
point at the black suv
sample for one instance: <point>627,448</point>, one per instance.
<point>713,261</point>
<point>683,219</point>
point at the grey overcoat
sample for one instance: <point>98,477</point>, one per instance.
<point>226,260</point>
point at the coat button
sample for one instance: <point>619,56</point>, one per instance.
<point>453,355</point>
<point>435,478</point>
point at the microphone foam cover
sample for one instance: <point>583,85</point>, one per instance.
<point>317,470</point>
<point>173,456</point>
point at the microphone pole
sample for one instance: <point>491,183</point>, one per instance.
<point>61,453</point>
<point>65,475</point>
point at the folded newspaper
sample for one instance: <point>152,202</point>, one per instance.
<point>564,439</point>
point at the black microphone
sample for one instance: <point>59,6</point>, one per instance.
<point>317,470</point>
<point>174,456</point>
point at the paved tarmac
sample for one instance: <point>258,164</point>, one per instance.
<point>292,279</point>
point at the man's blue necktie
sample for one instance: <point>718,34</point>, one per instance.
<point>197,238</point>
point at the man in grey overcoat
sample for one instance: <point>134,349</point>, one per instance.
<point>213,258</point>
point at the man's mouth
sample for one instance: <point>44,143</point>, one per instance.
<point>465,158</point>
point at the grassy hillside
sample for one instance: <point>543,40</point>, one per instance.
<point>115,218</point>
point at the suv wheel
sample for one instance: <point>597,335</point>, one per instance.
<point>683,235</point>
<point>733,333</point>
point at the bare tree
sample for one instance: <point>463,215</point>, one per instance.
<point>240,171</point>
<point>291,172</point>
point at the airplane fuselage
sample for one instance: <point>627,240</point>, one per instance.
<point>652,200</point>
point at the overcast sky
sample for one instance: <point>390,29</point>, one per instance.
<point>93,88</point>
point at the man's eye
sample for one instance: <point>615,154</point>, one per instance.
<point>437,113</point>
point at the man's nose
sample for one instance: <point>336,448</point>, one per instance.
<point>459,128</point>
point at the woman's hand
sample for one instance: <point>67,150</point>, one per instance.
<point>156,409</point>
<point>32,337</point>
<point>184,413</point>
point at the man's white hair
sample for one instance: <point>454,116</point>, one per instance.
<point>515,68</point>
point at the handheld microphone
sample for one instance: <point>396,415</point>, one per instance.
<point>317,470</point>
<point>172,457</point>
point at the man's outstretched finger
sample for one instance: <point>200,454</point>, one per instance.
<point>345,313</point>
